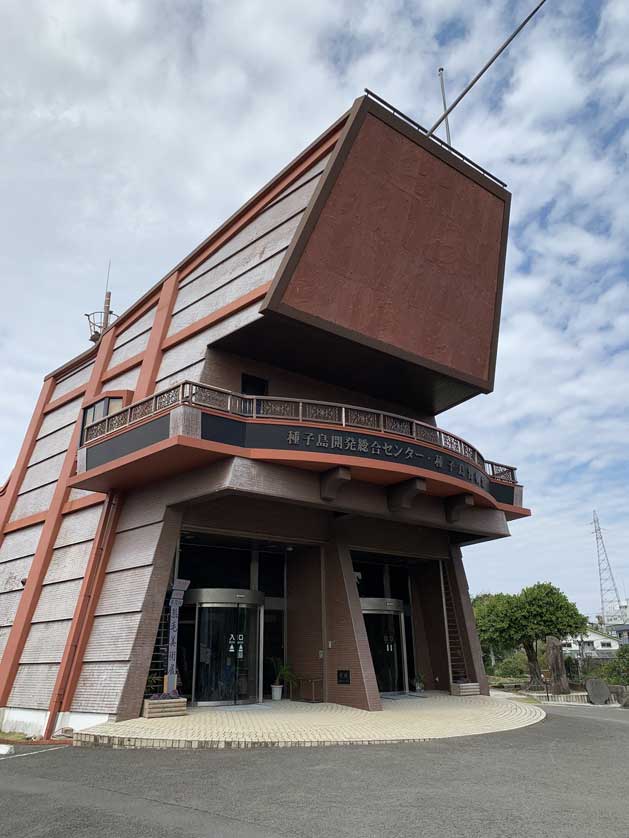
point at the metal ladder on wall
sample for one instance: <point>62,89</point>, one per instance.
<point>457,658</point>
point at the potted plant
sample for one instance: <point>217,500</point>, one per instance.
<point>160,705</point>
<point>283,675</point>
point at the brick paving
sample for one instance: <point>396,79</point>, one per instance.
<point>297,724</point>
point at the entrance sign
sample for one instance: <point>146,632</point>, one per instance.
<point>180,586</point>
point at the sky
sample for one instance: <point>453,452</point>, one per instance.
<point>130,129</point>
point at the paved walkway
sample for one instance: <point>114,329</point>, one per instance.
<point>291,723</point>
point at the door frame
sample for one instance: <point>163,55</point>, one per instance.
<point>388,605</point>
<point>226,598</point>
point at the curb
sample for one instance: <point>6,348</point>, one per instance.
<point>96,740</point>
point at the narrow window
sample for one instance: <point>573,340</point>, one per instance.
<point>251,385</point>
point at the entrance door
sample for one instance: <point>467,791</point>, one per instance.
<point>227,648</point>
<point>385,642</point>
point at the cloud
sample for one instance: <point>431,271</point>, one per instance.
<point>132,129</point>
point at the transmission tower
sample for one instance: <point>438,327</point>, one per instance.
<point>611,606</point>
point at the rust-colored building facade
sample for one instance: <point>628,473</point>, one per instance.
<point>262,425</point>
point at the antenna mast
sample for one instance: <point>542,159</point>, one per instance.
<point>99,321</point>
<point>445,104</point>
<point>611,607</point>
<point>482,72</point>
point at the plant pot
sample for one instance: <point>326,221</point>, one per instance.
<point>276,691</point>
<point>160,708</point>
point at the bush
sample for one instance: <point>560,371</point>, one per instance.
<point>514,666</point>
<point>572,668</point>
<point>617,670</point>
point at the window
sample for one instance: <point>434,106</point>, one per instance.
<point>97,411</point>
<point>271,573</point>
<point>251,385</point>
<point>606,644</point>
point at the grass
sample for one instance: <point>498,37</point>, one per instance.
<point>12,735</point>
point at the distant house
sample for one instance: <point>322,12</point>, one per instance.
<point>620,631</point>
<point>591,644</point>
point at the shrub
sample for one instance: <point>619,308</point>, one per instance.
<point>617,670</point>
<point>515,666</point>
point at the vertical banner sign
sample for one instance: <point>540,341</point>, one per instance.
<point>176,598</point>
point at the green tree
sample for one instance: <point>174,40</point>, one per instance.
<point>490,622</point>
<point>524,619</point>
<point>617,670</point>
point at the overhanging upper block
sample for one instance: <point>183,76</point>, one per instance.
<point>393,279</point>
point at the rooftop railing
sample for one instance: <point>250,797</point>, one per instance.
<point>297,410</point>
<point>433,137</point>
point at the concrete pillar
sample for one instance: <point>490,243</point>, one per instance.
<point>347,644</point>
<point>431,652</point>
<point>304,618</point>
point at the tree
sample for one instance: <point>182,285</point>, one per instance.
<point>524,619</point>
<point>617,670</point>
<point>491,623</point>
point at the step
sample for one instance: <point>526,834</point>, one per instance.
<point>465,689</point>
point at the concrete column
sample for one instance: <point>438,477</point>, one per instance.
<point>304,629</point>
<point>423,664</point>
<point>130,703</point>
<point>348,646</point>
<point>426,584</point>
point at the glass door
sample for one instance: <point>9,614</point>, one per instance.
<point>385,642</point>
<point>227,654</point>
<point>247,662</point>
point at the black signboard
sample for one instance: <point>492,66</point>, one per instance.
<point>342,676</point>
<point>132,440</point>
<point>286,437</point>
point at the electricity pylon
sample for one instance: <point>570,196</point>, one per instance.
<point>611,606</point>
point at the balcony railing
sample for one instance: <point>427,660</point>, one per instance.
<point>298,410</point>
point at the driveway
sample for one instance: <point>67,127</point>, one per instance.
<point>562,777</point>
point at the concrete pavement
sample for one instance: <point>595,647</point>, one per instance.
<point>432,715</point>
<point>561,778</point>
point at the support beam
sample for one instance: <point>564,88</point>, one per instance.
<point>43,554</point>
<point>332,480</point>
<point>8,499</point>
<point>154,350</point>
<point>403,494</point>
<point>455,505</point>
<point>83,618</point>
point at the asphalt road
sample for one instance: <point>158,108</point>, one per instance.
<point>564,777</point>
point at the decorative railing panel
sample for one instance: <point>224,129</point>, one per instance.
<point>266,407</point>
<point>322,412</point>
<point>277,408</point>
<point>357,418</point>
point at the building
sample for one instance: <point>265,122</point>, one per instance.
<point>261,423</point>
<point>592,644</point>
<point>621,631</point>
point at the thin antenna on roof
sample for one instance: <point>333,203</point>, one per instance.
<point>99,321</point>
<point>445,106</point>
<point>107,304</point>
<point>449,110</point>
